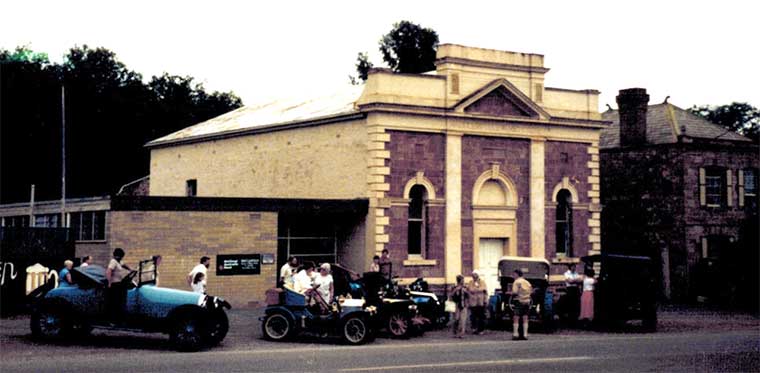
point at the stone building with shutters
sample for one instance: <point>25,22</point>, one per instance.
<point>682,190</point>
<point>459,166</point>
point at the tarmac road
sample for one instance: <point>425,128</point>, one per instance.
<point>690,349</point>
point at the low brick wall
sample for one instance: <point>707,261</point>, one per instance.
<point>182,237</point>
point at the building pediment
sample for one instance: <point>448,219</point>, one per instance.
<point>501,98</point>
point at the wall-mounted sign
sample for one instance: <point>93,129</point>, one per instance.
<point>240,264</point>
<point>267,258</point>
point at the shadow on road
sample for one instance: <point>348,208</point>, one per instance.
<point>118,341</point>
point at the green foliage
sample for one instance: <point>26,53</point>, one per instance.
<point>739,117</point>
<point>110,114</point>
<point>406,48</point>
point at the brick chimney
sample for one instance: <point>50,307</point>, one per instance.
<point>632,106</point>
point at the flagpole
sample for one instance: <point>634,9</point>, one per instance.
<point>63,157</point>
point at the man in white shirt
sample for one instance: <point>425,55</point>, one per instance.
<point>201,267</point>
<point>287,272</point>
<point>304,279</point>
<point>573,295</point>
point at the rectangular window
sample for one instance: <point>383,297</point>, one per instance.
<point>714,187</point>
<point>47,220</point>
<point>89,225</point>
<point>191,188</point>
<point>748,192</point>
<point>16,221</point>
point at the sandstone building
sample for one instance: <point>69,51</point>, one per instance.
<point>683,190</point>
<point>458,166</point>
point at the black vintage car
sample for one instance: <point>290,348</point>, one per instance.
<point>501,303</point>
<point>626,290</point>
<point>396,311</point>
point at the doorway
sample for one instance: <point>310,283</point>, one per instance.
<point>490,251</point>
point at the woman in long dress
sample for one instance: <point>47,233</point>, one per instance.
<point>587,299</point>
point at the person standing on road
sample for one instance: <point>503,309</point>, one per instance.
<point>199,283</point>
<point>201,267</point>
<point>521,292</point>
<point>287,272</point>
<point>117,290</point>
<point>459,297</point>
<point>478,297</point>
<point>573,294</point>
<point>587,298</point>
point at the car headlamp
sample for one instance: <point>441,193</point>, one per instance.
<point>412,307</point>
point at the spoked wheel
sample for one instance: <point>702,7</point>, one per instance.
<point>355,330</point>
<point>50,324</point>
<point>398,325</point>
<point>276,327</point>
<point>187,335</point>
<point>217,328</point>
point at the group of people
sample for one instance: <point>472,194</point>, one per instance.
<point>307,278</point>
<point>469,299</point>
<point>579,296</point>
<point>64,274</point>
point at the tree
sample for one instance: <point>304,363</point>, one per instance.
<point>739,117</point>
<point>406,48</point>
<point>110,114</point>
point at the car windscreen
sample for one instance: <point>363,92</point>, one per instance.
<point>531,270</point>
<point>92,274</point>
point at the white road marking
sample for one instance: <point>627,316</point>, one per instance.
<point>469,363</point>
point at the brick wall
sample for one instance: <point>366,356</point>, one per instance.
<point>651,199</point>
<point>567,159</point>
<point>411,152</point>
<point>182,237</point>
<point>513,157</point>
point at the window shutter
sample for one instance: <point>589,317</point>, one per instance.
<point>702,188</point>
<point>704,247</point>
<point>741,188</point>
<point>729,188</point>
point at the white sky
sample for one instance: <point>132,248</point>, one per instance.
<point>697,52</point>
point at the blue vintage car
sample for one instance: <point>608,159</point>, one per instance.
<point>192,320</point>
<point>290,313</point>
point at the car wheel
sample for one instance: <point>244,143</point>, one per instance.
<point>398,325</point>
<point>216,328</point>
<point>49,324</point>
<point>277,327</point>
<point>355,330</point>
<point>186,334</point>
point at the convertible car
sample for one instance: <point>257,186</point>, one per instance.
<point>191,320</point>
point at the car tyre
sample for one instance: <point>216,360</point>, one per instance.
<point>49,323</point>
<point>399,325</point>
<point>186,334</point>
<point>277,327</point>
<point>217,327</point>
<point>355,330</point>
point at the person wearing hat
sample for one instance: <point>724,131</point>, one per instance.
<point>324,283</point>
<point>478,298</point>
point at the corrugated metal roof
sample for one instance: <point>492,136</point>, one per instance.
<point>661,128</point>
<point>277,112</point>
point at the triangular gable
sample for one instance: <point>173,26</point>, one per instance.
<point>501,98</point>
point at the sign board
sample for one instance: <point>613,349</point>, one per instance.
<point>240,264</point>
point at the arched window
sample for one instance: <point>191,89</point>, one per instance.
<point>564,226</point>
<point>417,223</point>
